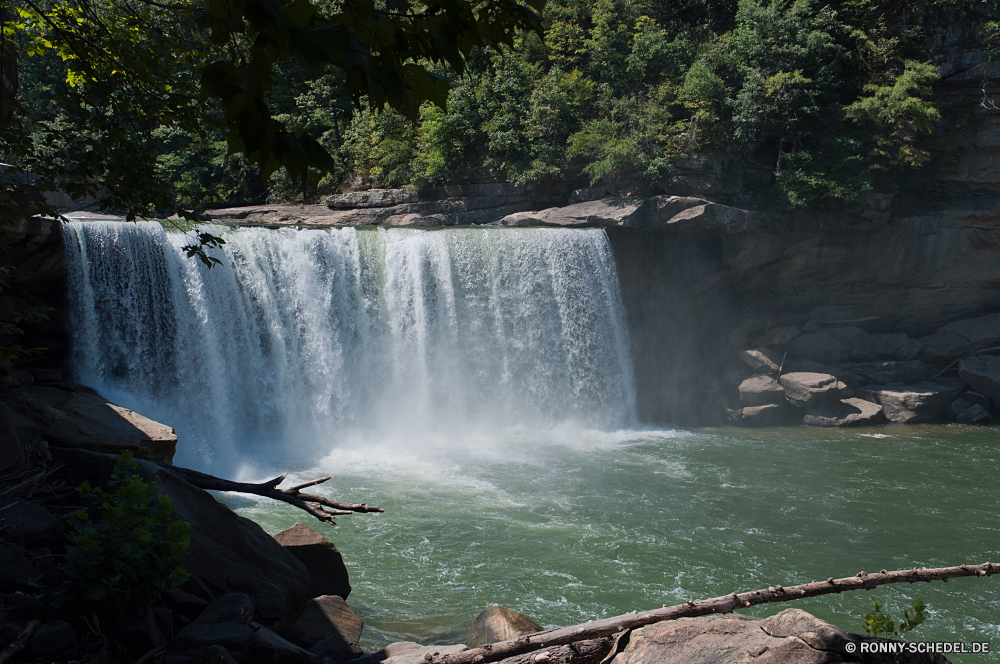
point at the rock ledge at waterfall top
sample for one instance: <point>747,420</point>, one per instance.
<point>509,208</point>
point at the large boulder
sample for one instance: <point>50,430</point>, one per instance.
<point>844,375</point>
<point>760,391</point>
<point>83,419</point>
<point>858,342</point>
<point>982,374</point>
<point>894,346</point>
<point>976,414</point>
<point>791,637</point>
<point>497,624</point>
<point>228,554</point>
<point>907,404</point>
<point>330,624</point>
<point>320,557</point>
<point>408,652</point>
<point>778,336</point>
<point>600,213</point>
<point>962,337</point>
<point>820,346</point>
<point>805,389</point>
<point>852,412</point>
<point>944,345</point>
<point>267,647</point>
<point>28,522</point>
<point>893,371</point>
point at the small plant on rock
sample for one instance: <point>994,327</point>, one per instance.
<point>879,623</point>
<point>125,548</point>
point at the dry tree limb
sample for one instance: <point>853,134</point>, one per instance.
<point>320,507</point>
<point>725,604</point>
<point>19,642</point>
<point>591,651</point>
<point>29,481</point>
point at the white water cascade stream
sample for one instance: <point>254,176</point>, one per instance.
<point>304,340</point>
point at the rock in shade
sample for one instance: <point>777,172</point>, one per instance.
<point>975,397</point>
<point>52,637</point>
<point>819,346</point>
<point>905,404</point>
<point>497,624</point>
<point>791,637</point>
<point>805,389</point>
<point>982,332</point>
<point>320,557</point>
<point>34,523</point>
<point>770,415</point>
<point>944,345</point>
<point>763,360</point>
<point>16,572</point>
<point>234,637</point>
<point>982,374</point>
<point>893,371</point>
<point>328,618</point>
<point>846,413</point>
<point>858,342</point>
<point>957,407</point>
<point>231,607</point>
<point>976,414</point>
<point>778,336</point>
<point>760,390</point>
<point>11,454</point>
<point>266,647</point>
<point>139,629</point>
<point>894,346</point>
<point>82,419</point>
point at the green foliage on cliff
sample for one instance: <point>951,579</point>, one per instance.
<point>125,547</point>
<point>801,102</point>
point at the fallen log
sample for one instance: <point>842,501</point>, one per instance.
<point>19,642</point>
<point>725,604</point>
<point>320,507</point>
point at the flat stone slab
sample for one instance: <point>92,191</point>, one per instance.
<point>851,412</point>
<point>805,389</point>
<point>904,404</point>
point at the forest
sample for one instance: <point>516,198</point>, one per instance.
<point>804,104</point>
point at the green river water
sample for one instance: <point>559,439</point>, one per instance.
<point>568,525</point>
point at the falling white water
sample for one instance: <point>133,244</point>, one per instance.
<point>306,339</point>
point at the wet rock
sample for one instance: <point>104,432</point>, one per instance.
<point>920,402</point>
<point>819,346</point>
<point>22,519</point>
<point>52,637</point>
<point>770,415</point>
<point>975,414</point>
<point>763,360</point>
<point>329,622</point>
<point>858,342</point>
<point>407,652</point>
<point>791,637</point>
<point>266,647</point>
<point>805,390</point>
<point>852,412</point>
<point>894,346</point>
<point>320,557</point>
<point>84,420</point>
<point>497,624</point>
<point>892,371</point>
<point>778,336</point>
<point>11,454</point>
<point>760,390</point>
<point>982,374</point>
<point>231,607</point>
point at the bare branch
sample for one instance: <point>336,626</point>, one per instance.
<point>724,604</point>
<point>314,505</point>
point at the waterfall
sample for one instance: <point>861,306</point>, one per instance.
<point>305,339</point>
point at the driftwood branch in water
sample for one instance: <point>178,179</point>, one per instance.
<point>320,507</point>
<point>726,604</point>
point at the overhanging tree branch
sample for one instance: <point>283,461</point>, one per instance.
<point>724,604</point>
